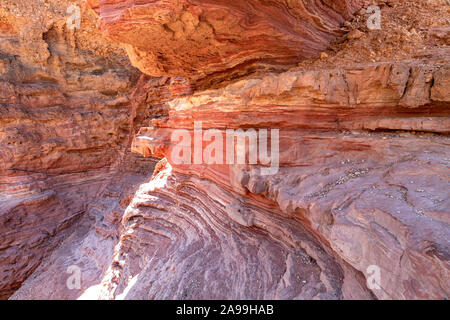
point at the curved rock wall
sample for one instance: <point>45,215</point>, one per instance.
<point>200,38</point>
<point>64,123</point>
<point>362,179</point>
<point>375,198</point>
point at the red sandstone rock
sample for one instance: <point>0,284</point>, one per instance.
<point>364,151</point>
<point>200,38</point>
<point>372,197</point>
<point>64,119</point>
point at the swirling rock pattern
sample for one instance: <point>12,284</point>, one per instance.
<point>64,124</point>
<point>180,244</point>
<point>200,38</point>
<point>374,198</point>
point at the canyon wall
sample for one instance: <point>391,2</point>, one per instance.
<point>363,172</point>
<point>352,168</point>
<point>64,127</point>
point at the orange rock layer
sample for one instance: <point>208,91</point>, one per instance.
<point>201,38</point>
<point>361,181</point>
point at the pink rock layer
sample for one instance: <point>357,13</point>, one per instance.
<point>363,177</point>
<point>377,198</point>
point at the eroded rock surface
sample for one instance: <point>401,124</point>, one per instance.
<point>376,198</point>
<point>363,172</point>
<point>64,125</point>
<point>200,38</point>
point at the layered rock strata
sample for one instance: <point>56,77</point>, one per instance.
<point>202,38</point>
<point>352,168</point>
<point>361,182</point>
<point>64,127</point>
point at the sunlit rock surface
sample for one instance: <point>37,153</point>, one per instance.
<point>362,179</point>
<point>376,198</point>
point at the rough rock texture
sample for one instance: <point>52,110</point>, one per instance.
<point>179,243</point>
<point>378,198</point>
<point>89,243</point>
<point>364,150</point>
<point>200,38</point>
<point>64,126</point>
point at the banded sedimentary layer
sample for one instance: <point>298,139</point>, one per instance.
<point>64,126</point>
<point>201,38</point>
<point>371,196</point>
<point>363,172</point>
